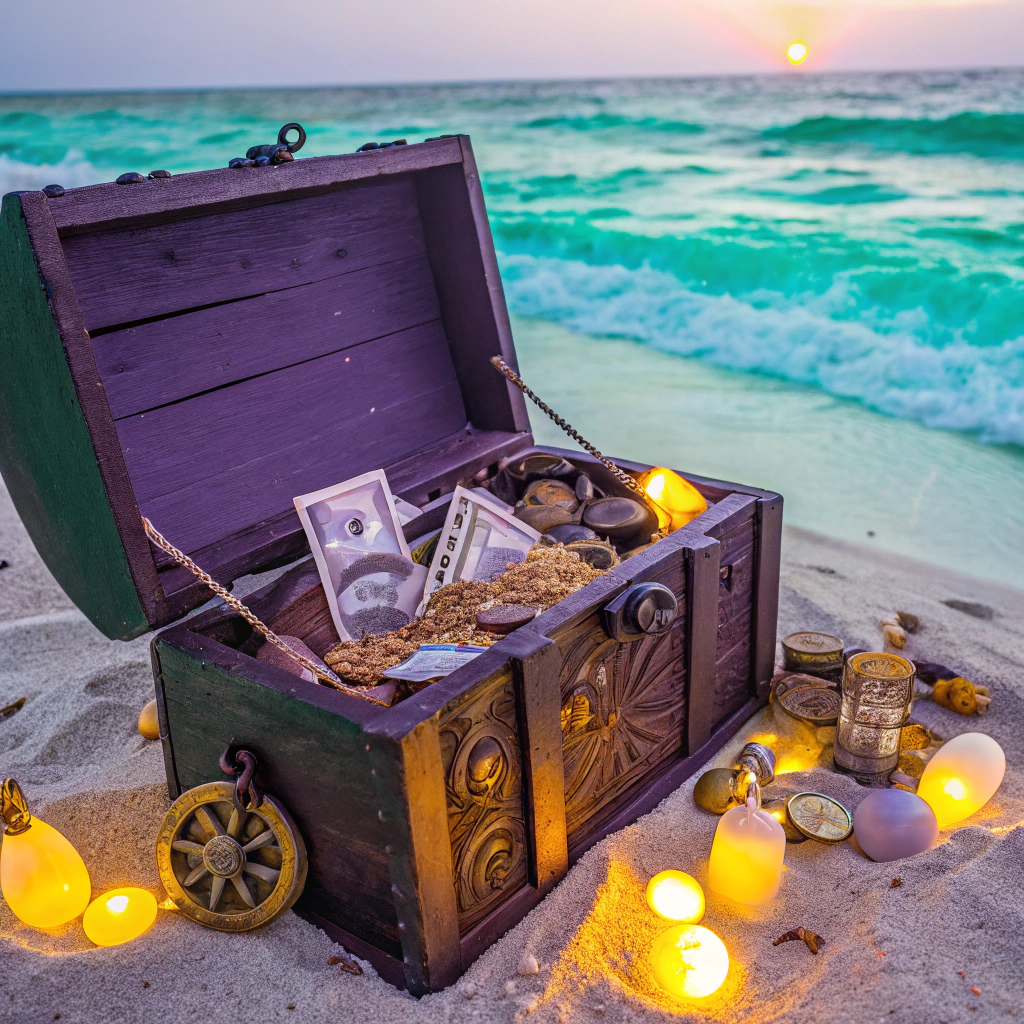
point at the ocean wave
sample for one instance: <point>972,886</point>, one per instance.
<point>605,121</point>
<point>72,171</point>
<point>957,386</point>
<point>973,132</point>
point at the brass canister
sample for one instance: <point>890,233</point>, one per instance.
<point>818,654</point>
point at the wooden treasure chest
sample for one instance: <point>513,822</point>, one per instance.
<point>199,349</point>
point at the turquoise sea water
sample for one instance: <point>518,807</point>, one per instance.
<point>829,268</point>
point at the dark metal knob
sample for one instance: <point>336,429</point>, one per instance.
<point>642,610</point>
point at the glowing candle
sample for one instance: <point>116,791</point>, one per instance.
<point>676,501</point>
<point>43,879</point>
<point>676,896</point>
<point>689,961</point>
<point>962,776</point>
<point>747,855</point>
<point>119,916</point>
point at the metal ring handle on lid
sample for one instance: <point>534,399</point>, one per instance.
<point>282,137</point>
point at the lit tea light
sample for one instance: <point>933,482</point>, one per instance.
<point>675,500</point>
<point>44,880</point>
<point>689,961</point>
<point>119,916</point>
<point>676,896</point>
<point>747,855</point>
<point>962,777</point>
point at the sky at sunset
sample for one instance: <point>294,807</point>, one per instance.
<point>100,44</point>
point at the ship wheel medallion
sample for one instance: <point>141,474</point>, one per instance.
<point>229,868</point>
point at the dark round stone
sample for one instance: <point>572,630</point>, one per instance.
<point>569,532</point>
<point>130,178</point>
<point>159,174</point>
<point>620,519</point>
<point>584,488</point>
<point>503,618</point>
<point>53,191</point>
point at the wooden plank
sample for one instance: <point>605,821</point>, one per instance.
<point>216,463</point>
<point>280,539</point>
<point>465,268</point>
<point>703,640</point>
<point>62,477</point>
<point>166,360</point>
<point>111,205</point>
<point>311,757</point>
<point>133,274</point>
<point>413,813</point>
<point>535,671</point>
<point>766,594</point>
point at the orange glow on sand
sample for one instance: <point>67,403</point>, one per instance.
<point>797,53</point>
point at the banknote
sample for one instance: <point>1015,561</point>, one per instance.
<point>371,582</point>
<point>478,541</point>
<point>432,661</point>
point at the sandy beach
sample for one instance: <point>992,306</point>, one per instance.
<point>920,952</point>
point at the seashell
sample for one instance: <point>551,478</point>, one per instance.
<point>53,191</point>
<point>570,532</point>
<point>584,488</point>
<point>598,554</point>
<point>159,174</point>
<point>469,989</point>
<point>130,178</point>
<point>911,623</point>
<point>622,520</point>
<point>962,696</point>
<point>543,517</point>
<point>894,633</point>
<point>149,722</point>
<point>551,492</point>
<point>528,965</point>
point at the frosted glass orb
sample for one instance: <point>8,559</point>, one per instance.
<point>892,823</point>
<point>676,896</point>
<point>689,961</point>
<point>962,777</point>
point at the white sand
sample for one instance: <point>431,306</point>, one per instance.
<point>76,752</point>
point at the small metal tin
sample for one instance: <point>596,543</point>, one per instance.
<point>815,653</point>
<point>819,817</point>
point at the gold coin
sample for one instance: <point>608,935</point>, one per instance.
<point>819,817</point>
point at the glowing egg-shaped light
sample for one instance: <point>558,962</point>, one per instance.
<point>676,896</point>
<point>962,777</point>
<point>689,961</point>
<point>119,916</point>
<point>675,500</point>
<point>43,879</point>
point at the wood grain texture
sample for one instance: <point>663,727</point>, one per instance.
<point>413,812</point>
<point>312,758</point>
<point>734,682</point>
<point>207,467</point>
<point>166,360</point>
<point>768,557</point>
<point>137,273</point>
<point>469,288</point>
<point>111,206</point>
<point>536,669</point>
<point>702,646</point>
<point>57,479</point>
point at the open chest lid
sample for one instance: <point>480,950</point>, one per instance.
<point>200,349</point>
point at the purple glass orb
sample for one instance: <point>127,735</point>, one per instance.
<point>893,823</point>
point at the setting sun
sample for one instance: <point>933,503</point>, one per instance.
<point>797,53</point>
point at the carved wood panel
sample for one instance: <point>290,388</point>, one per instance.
<point>484,785</point>
<point>623,711</point>
<point>734,649</point>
